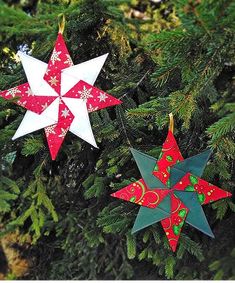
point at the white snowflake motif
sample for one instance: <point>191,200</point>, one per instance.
<point>53,81</point>
<point>47,71</point>
<point>102,97</point>
<point>65,113</point>
<point>44,106</point>
<point>63,133</point>
<point>22,103</point>
<point>13,91</point>
<point>69,60</point>
<point>85,93</point>
<point>29,92</point>
<point>50,130</point>
<point>55,56</point>
<point>91,108</point>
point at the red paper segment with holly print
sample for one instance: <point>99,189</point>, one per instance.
<point>169,156</point>
<point>206,192</point>
<point>173,224</point>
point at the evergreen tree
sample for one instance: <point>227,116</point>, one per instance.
<point>164,56</point>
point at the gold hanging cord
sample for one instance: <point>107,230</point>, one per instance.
<point>61,22</point>
<point>171,125</point>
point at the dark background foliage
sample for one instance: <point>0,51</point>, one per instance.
<point>164,56</point>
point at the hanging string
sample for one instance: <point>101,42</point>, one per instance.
<point>61,22</point>
<point>171,128</point>
<point>171,124</point>
<point>123,126</point>
<point>137,84</point>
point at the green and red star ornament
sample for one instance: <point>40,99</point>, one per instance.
<point>171,190</point>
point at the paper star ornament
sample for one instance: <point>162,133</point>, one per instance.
<point>59,96</point>
<point>171,191</point>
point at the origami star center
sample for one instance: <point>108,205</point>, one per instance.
<point>171,191</point>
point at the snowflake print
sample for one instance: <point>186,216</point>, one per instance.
<point>102,97</point>
<point>65,113</point>
<point>63,133</point>
<point>91,108</point>
<point>47,71</point>
<point>85,93</point>
<point>13,91</point>
<point>55,56</point>
<point>69,60</point>
<point>29,92</point>
<point>50,130</point>
<point>53,81</point>
<point>22,103</point>
<point>44,106</point>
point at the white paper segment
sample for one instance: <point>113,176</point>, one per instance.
<point>35,71</point>
<point>52,111</point>
<point>33,122</point>
<point>80,126</point>
<point>87,71</point>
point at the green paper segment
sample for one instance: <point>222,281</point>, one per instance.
<point>149,216</point>
<point>195,165</point>
<point>146,166</point>
<point>196,216</point>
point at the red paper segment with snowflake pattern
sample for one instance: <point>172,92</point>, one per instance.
<point>173,224</point>
<point>206,192</point>
<point>56,133</point>
<point>60,59</point>
<point>139,193</point>
<point>27,99</point>
<point>170,155</point>
<point>95,98</point>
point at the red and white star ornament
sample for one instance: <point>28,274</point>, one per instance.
<point>59,96</point>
